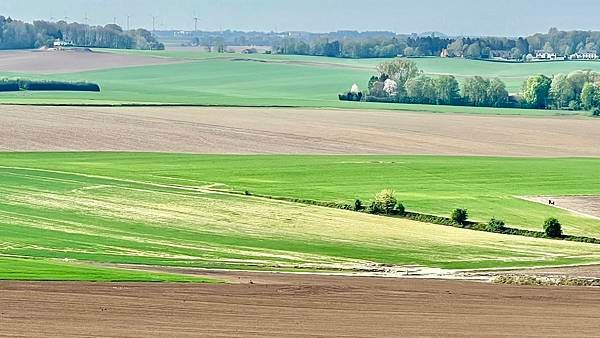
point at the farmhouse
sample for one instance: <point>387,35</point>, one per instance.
<point>541,55</point>
<point>584,55</point>
<point>59,44</point>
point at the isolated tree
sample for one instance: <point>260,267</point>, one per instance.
<point>385,202</point>
<point>552,228</point>
<point>459,216</point>
<point>536,91</point>
<point>447,89</point>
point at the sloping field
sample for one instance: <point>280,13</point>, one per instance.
<point>487,187</point>
<point>69,61</point>
<point>265,80</point>
<point>112,218</point>
<point>297,306</point>
<point>291,131</point>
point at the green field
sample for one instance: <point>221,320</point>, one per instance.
<point>158,209</point>
<point>270,80</point>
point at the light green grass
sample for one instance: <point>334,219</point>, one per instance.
<point>154,209</point>
<point>270,80</point>
<point>54,270</point>
<point>488,187</point>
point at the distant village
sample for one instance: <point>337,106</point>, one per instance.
<point>537,56</point>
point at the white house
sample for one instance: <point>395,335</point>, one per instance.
<point>543,55</point>
<point>58,44</point>
<point>584,55</point>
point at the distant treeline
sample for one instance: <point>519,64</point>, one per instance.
<point>15,34</point>
<point>401,81</point>
<point>42,85</point>
<point>555,41</point>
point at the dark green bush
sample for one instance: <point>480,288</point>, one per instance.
<point>358,206</point>
<point>552,228</point>
<point>9,86</point>
<point>495,225</point>
<point>459,216</point>
<point>35,85</point>
<point>596,112</point>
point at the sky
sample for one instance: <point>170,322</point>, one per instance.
<point>454,17</point>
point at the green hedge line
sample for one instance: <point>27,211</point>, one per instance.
<point>425,218</point>
<point>9,86</point>
<point>42,85</point>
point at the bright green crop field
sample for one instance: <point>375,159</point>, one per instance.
<point>270,80</point>
<point>66,213</point>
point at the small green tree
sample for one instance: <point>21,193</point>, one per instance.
<point>552,228</point>
<point>460,216</point>
<point>385,202</point>
<point>495,225</point>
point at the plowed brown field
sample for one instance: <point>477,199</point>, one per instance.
<point>297,305</point>
<point>291,131</point>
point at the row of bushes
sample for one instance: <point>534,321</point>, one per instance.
<point>41,85</point>
<point>385,203</point>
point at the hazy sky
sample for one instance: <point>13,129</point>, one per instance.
<point>456,17</point>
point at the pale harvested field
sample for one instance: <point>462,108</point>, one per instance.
<point>588,206</point>
<point>291,131</point>
<point>294,306</point>
<point>56,62</point>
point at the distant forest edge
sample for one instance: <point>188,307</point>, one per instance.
<point>550,46</point>
<point>382,44</point>
<point>15,85</point>
<point>15,34</point>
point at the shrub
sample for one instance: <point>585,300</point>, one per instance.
<point>596,112</point>
<point>386,203</point>
<point>552,227</point>
<point>495,225</point>
<point>459,216</point>
<point>358,206</point>
<point>9,86</point>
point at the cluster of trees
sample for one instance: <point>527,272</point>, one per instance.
<point>389,45</point>
<point>401,81</point>
<point>15,34</point>
<point>8,85</point>
<point>575,91</point>
<point>372,47</point>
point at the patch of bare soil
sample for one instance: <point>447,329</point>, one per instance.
<point>588,206</point>
<point>291,131</point>
<point>297,306</point>
<point>68,61</point>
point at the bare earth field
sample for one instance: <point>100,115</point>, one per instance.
<point>298,305</point>
<point>588,206</point>
<point>68,61</point>
<point>291,131</point>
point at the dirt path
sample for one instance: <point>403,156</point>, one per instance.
<point>287,305</point>
<point>291,131</point>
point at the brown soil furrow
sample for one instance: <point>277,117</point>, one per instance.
<point>292,131</point>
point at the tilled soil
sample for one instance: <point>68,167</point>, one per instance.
<point>583,205</point>
<point>282,305</point>
<point>291,131</point>
<point>68,61</point>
